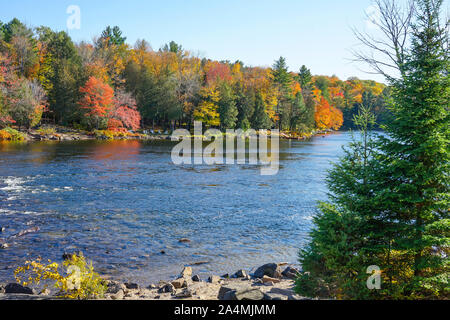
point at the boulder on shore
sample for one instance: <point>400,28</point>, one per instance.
<point>17,288</point>
<point>239,291</point>
<point>266,279</point>
<point>240,274</point>
<point>179,283</point>
<point>214,279</point>
<point>186,273</point>
<point>291,273</point>
<point>113,287</point>
<point>272,270</point>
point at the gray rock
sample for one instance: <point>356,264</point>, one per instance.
<point>132,286</point>
<point>239,291</point>
<point>290,294</point>
<point>266,279</point>
<point>119,295</point>
<point>167,288</point>
<point>4,246</point>
<point>179,283</point>
<point>214,279</point>
<point>185,293</point>
<point>271,270</point>
<point>114,287</point>
<point>186,273</point>
<point>17,288</point>
<point>196,278</point>
<point>291,273</point>
<point>240,274</point>
<point>275,296</point>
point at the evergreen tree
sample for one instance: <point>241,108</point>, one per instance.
<point>305,77</point>
<point>390,196</point>
<point>112,36</point>
<point>413,170</point>
<point>245,104</point>
<point>63,77</point>
<point>283,80</point>
<point>260,119</point>
<point>227,107</point>
<point>303,115</point>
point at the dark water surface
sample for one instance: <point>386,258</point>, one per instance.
<point>122,202</point>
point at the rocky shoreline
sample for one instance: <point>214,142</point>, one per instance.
<point>271,281</point>
<point>68,134</point>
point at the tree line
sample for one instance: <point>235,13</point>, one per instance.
<point>108,84</point>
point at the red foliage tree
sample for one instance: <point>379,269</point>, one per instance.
<point>124,113</point>
<point>218,71</point>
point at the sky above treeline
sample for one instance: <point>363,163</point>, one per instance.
<point>314,33</point>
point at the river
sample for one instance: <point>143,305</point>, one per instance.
<point>124,202</point>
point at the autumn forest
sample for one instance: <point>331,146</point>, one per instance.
<point>46,78</point>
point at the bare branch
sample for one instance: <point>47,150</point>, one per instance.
<point>386,54</point>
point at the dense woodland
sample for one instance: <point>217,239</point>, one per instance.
<point>47,78</point>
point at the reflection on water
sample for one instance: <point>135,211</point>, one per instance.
<point>123,202</point>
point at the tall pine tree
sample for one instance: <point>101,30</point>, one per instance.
<point>390,196</point>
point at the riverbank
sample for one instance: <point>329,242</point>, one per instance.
<point>269,282</point>
<point>59,133</point>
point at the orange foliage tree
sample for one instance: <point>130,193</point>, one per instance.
<point>323,114</point>
<point>327,116</point>
<point>97,100</point>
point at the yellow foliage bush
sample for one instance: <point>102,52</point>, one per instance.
<point>113,134</point>
<point>10,134</point>
<point>81,282</point>
<point>46,131</point>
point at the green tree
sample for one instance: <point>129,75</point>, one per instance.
<point>173,47</point>
<point>414,156</point>
<point>227,107</point>
<point>390,195</point>
<point>260,119</point>
<point>28,103</point>
<point>305,77</point>
<point>303,114</point>
<point>112,36</point>
<point>157,98</point>
<point>62,77</point>
<point>283,80</point>
<point>323,84</point>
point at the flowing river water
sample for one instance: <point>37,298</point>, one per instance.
<point>124,202</point>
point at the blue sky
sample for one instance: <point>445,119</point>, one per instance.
<point>316,33</point>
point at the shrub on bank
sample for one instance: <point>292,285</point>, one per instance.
<point>81,281</point>
<point>9,134</point>
<point>46,131</point>
<point>113,134</point>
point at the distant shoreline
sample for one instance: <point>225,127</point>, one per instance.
<point>70,134</point>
